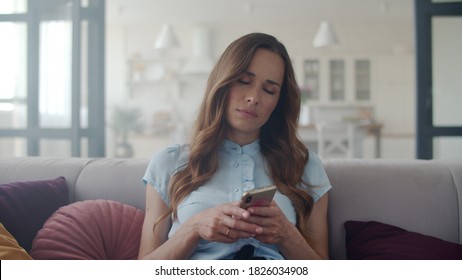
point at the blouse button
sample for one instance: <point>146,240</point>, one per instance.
<point>236,164</point>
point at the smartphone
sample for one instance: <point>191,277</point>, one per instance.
<point>258,197</point>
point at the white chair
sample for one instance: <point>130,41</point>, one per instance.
<point>337,140</point>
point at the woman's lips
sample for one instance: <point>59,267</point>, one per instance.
<point>248,113</point>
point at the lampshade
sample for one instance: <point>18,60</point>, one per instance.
<point>326,36</point>
<point>167,38</point>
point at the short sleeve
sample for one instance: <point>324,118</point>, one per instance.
<point>316,177</point>
<point>162,166</point>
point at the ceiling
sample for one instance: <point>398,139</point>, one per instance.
<point>135,12</point>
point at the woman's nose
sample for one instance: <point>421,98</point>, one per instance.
<point>252,100</point>
<point>252,97</point>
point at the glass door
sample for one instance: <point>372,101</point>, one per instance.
<point>439,86</point>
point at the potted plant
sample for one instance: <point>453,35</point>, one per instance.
<point>124,121</point>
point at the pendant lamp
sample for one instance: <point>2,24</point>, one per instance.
<point>325,37</point>
<point>167,38</point>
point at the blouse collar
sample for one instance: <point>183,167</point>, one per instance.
<point>249,149</point>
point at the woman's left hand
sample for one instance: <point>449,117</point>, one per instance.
<point>272,221</point>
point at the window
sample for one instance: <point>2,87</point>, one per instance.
<point>439,121</point>
<point>311,79</point>
<point>337,80</point>
<point>13,75</point>
<point>13,6</point>
<point>363,79</point>
<point>52,71</point>
<point>55,74</point>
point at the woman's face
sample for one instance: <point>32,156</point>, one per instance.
<point>253,97</point>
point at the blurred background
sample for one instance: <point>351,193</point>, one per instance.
<point>124,78</point>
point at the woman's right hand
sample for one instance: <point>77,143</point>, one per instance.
<point>223,223</point>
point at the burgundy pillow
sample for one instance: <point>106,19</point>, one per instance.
<point>25,206</point>
<point>377,241</point>
<point>91,229</point>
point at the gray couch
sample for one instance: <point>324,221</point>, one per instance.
<point>420,196</point>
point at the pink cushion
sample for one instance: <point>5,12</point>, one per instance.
<point>91,229</point>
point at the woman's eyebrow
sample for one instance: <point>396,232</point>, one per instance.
<point>268,81</point>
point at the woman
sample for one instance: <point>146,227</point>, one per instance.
<point>245,138</point>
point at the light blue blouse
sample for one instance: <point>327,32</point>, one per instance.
<point>240,169</point>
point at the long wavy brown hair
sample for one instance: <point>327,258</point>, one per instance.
<point>285,154</point>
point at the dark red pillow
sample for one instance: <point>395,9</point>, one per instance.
<point>90,229</point>
<point>377,241</point>
<point>25,206</point>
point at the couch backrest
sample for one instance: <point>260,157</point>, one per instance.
<point>113,179</point>
<point>40,168</point>
<point>417,195</point>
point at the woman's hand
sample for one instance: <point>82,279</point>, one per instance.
<point>224,223</point>
<point>272,222</point>
<point>276,229</point>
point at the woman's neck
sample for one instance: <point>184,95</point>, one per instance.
<point>241,139</point>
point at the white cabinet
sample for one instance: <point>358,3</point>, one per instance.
<point>336,80</point>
